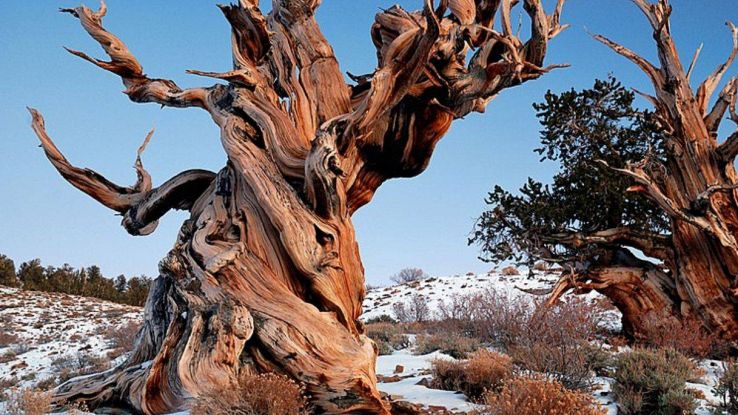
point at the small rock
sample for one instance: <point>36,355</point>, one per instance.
<point>399,369</point>
<point>424,382</point>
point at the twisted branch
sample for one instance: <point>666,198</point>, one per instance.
<point>139,87</point>
<point>654,245</point>
<point>140,205</point>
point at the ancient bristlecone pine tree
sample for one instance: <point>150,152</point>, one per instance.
<point>691,183</point>
<point>695,185</point>
<point>265,275</point>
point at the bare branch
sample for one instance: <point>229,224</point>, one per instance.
<point>138,87</point>
<point>464,10</point>
<point>657,13</point>
<point>703,199</point>
<point>493,68</point>
<point>708,86</point>
<point>140,205</point>
<point>241,77</point>
<point>403,62</point>
<point>111,195</point>
<point>694,60</point>
<point>554,21</point>
<point>652,71</point>
<point>535,48</point>
<point>505,19</point>
<point>723,103</point>
<point>649,187</point>
<point>249,34</point>
<point>143,184</point>
<point>728,150</point>
<point>303,66</point>
<point>180,192</point>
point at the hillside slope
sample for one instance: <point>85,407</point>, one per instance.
<point>43,334</point>
<point>438,290</point>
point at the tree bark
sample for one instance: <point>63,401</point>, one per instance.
<point>695,186</point>
<point>265,275</point>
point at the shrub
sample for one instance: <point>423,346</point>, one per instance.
<point>452,344</point>
<point>538,396</point>
<point>46,384</point>
<point>556,341</point>
<point>387,337</point>
<point>27,401</point>
<point>8,356</point>
<point>384,318</point>
<point>460,312</point>
<point>652,382</point>
<point>7,338</point>
<point>499,319</point>
<point>483,371</point>
<point>7,385</point>
<point>20,349</point>
<point>81,364</point>
<point>727,389</point>
<point>688,336</point>
<point>266,394</point>
<point>409,275</point>
<point>123,337</point>
<point>509,271</point>
<point>600,360</point>
<point>415,310</point>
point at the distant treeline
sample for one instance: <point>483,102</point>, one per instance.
<point>87,282</point>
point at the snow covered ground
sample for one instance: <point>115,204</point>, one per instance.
<point>435,290</point>
<point>414,370</point>
<point>48,326</point>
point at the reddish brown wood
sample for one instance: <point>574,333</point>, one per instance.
<point>265,275</point>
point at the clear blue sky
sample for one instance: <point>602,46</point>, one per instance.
<point>421,222</point>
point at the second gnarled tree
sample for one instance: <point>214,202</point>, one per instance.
<point>265,275</point>
<point>662,183</point>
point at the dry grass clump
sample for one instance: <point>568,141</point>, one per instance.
<point>484,371</point>
<point>509,270</point>
<point>71,366</point>
<point>538,396</point>
<point>387,336</point>
<point>6,386</point>
<point>455,345</point>
<point>27,401</point>
<point>265,394</point>
<point>7,338</point>
<point>652,382</point>
<point>8,356</point>
<point>122,338</point>
<point>46,383</point>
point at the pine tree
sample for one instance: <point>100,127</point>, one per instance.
<point>7,272</point>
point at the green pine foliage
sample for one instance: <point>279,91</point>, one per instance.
<point>578,129</point>
<point>7,272</point>
<point>87,282</point>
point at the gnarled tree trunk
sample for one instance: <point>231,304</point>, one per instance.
<point>696,188</point>
<point>265,275</point>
